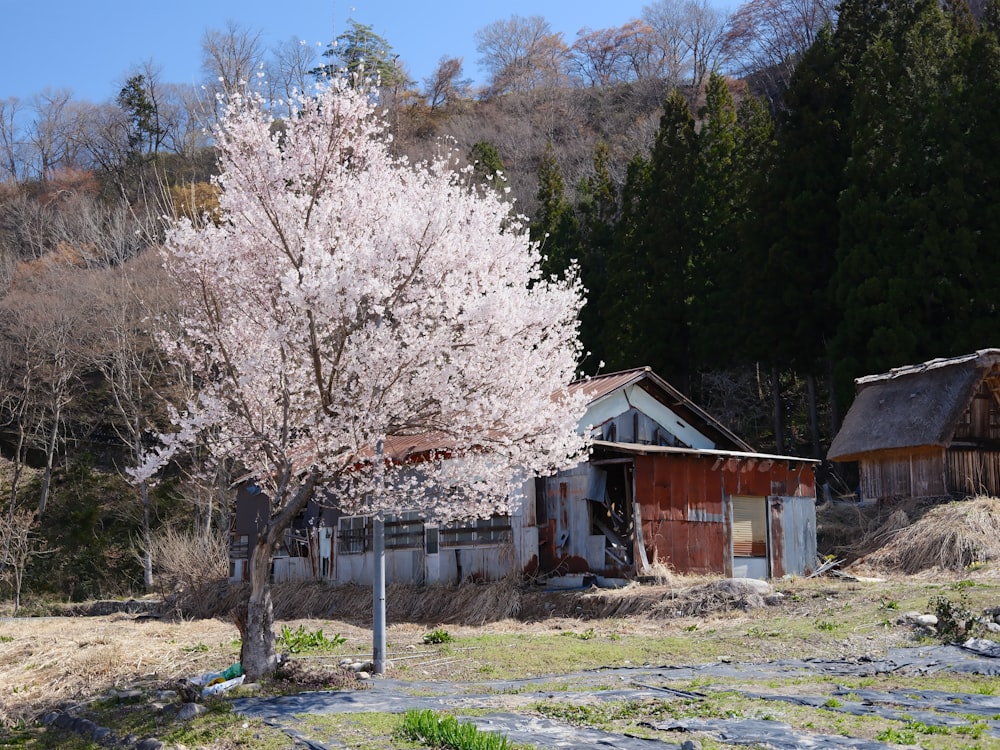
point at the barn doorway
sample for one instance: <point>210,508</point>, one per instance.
<point>749,519</point>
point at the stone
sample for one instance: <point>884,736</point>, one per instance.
<point>63,721</point>
<point>772,600</point>
<point>690,745</point>
<point>125,696</point>
<point>167,696</point>
<point>738,586</point>
<point>190,710</point>
<point>150,743</point>
<point>101,735</point>
<point>363,675</point>
<point>50,717</point>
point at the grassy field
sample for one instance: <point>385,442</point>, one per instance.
<point>114,669</point>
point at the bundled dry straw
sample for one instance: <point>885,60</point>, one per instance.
<point>949,537</point>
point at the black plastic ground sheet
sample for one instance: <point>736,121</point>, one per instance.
<point>508,702</point>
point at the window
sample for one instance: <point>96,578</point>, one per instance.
<point>494,530</point>
<point>404,530</point>
<point>354,535</point>
<point>239,547</point>
<point>431,539</point>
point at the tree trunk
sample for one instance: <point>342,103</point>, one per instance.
<point>147,541</point>
<point>50,452</point>
<point>813,414</point>
<point>779,417</point>
<point>258,654</point>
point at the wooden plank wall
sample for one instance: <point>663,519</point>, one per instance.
<point>973,472</point>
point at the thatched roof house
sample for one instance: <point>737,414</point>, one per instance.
<point>927,430</point>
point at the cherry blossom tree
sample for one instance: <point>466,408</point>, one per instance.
<point>349,304</point>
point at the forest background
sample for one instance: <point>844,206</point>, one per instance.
<point>763,206</point>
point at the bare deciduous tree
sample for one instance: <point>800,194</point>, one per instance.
<point>288,70</point>
<point>446,85</point>
<point>49,131</point>
<point>615,55</point>
<point>521,54</point>
<point>13,156</point>
<point>231,57</point>
<point>128,297</point>
<point>767,37</point>
<point>704,32</point>
<point>19,543</point>
<point>667,20</point>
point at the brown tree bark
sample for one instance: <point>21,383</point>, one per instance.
<point>258,654</point>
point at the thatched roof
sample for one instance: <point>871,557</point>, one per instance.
<point>910,407</point>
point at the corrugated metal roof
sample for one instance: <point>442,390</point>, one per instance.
<point>600,386</point>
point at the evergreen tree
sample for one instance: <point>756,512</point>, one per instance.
<point>621,333</point>
<point>487,164</point>
<point>977,119</point>
<point>555,226</point>
<point>145,133</point>
<point>792,241</point>
<point>365,56</point>
<point>714,243</point>
<point>597,205</point>
<point>649,281</point>
<point>905,258</point>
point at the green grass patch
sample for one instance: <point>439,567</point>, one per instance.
<point>303,641</point>
<point>440,730</point>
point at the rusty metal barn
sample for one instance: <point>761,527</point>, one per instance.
<point>668,483</point>
<point>927,430</point>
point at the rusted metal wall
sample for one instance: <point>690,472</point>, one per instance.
<point>683,523</point>
<point>686,519</point>
<point>563,537</point>
<point>792,535</point>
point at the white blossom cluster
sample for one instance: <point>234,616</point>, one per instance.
<point>350,305</point>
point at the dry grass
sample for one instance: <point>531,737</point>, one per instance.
<point>47,662</point>
<point>951,537</point>
<point>54,662</point>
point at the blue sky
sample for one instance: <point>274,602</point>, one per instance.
<point>89,45</point>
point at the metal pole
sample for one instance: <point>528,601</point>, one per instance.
<point>378,571</point>
<point>378,597</point>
